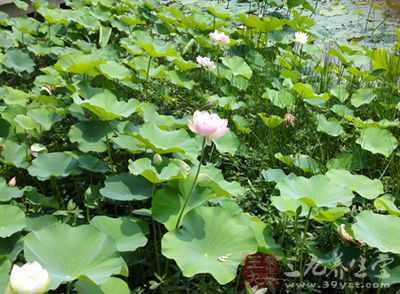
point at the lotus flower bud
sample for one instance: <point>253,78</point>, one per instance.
<point>210,126</point>
<point>157,159</point>
<point>206,62</point>
<point>31,278</point>
<point>13,182</point>
<point>290,120</point>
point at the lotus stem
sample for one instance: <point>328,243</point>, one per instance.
<point>193,185</point>
<point>147,76</point>
<point>109,150</point>
<point>302,246</point>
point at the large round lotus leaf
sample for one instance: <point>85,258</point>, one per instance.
<point>93,164</point>
<point>377,140</point>
<point>68,253</point>
<point>127,187</point>
<point>107,107</point>
<point>15,154</point>
<point>19,60</point>
<point>212,241</point>
<point>114,70</point>
<point>168,201</point>
<point>55,164</point>
<point>80,63</point>
<point>90,136</point>
<point>379,231</point>
<point>112,286</point>
<point>330,127</point>
<point>12,220</point>
<point>170,169</point>
<point>289,206</point>
<point>316,191</point>
<point>364,186</point>
<point>126,232</point>
<point>7,193</point>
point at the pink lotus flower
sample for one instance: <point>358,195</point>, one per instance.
<point>210,126</point>
<point>206,62</point>
<point>13,182</point>
<point>220,38</point>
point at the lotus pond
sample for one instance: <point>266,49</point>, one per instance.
<point>197,147</point>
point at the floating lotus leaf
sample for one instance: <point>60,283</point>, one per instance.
<point>111,286</point>
<point>127,187</point>
<point>379,231</point>
<point>377,140</point>
<point>170,169</point>
<point>363,185</point>
<point>7,193</point>
<point>43,167</point>
<point>72,252</point>
<point>106,106</point>
<point>125,231</point>
<point>208,243</point>
<point>316,191</point>
<point>168,201</point>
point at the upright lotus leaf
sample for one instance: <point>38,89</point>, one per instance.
<point>154,48</point>
<point>330,214</point>
<point>7,192</point>
<point>168,201</point>
<point>238,66</point>
<point>180,79</point>
<point>377,140</point>
<point>93,164</point>
<point>15,154</point>
<point>10,247</point>
<point>170,169</point>
<point>317,191</point>
<point>45,116</point>
<point>265,241</point>
<point>129,143</point>
<point>90,135</point>
<point>379,231</point>
<point>228,143</point>
<point>272,121</point>
<point>363,185</point>
<point>57,16</point>
<point>208,243</point>
<point>19,61</point>
<point>12,220</point>
<point>213,178</point>
<point>386,203</point>
<point>362,96</point>
<point>302,161</point>
<point>80,63</point>
<point>340,92</point>
<point>306,91</point>
<point>162,142</point>
<point>114,70</point>
<point>111,286</point>
<point>54,164</point>
<point>106,106</point>
<point>330,127</point>
<point>13,96</point>
<point>68,253</point>
<point>5,264</point>
<point>125,231</point>
<point>289,206</point>
<point>282,98</point>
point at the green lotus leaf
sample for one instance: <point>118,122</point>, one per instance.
<point>377,140</point>
<point>127,187</point>
<point>12,220</point>
<point>154,48</point>
<point>162,142</point>
<point>11,246</point>
<point>38,222</point>
<point>386,203</point>
<point>168,201</point>
<point>379,231</point>
<point>213,178</point>
<point>340,92</point>
<point>317,191</point>
<point>362,96</point>
<point>238,66</point>
<point>183,65</point>
<point>26,25</point>
<point>45,116</point>
<point>125,231</point>
<point>330,127</point>
<point>19,61</point>
<point>14,96</point>
<point>56,16</point>
<point>15,154</point>
<point>106,106</point>
<point>179,79</point>
<point>170,169</point>
<point>90,136</point>
<point>342,110</point>
<point>289,206</point>
<point>114,70</point>
<point>26,123</point>
<point>219,11</point>
<point>228,143</point>
<point>208,243</point>
<point>93,164</point>
<point>302,161</point>
<point>282,98</point>
<point>43,167</point>
<point>330,214</point>
<point>265,241</point>
<point>129,143</point>
<point>80,63</point>
<point>271,121</point>
<point>111,286</point>
<point>363,185</point>
<point>7,193</point>
<point>306,91</point>
<point>60,249</point>
<point>5,264</point>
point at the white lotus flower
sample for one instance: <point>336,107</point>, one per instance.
<point>301,37</point>
<point>31,278</point>
<point>220,38</point>
<point>206,62</point>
